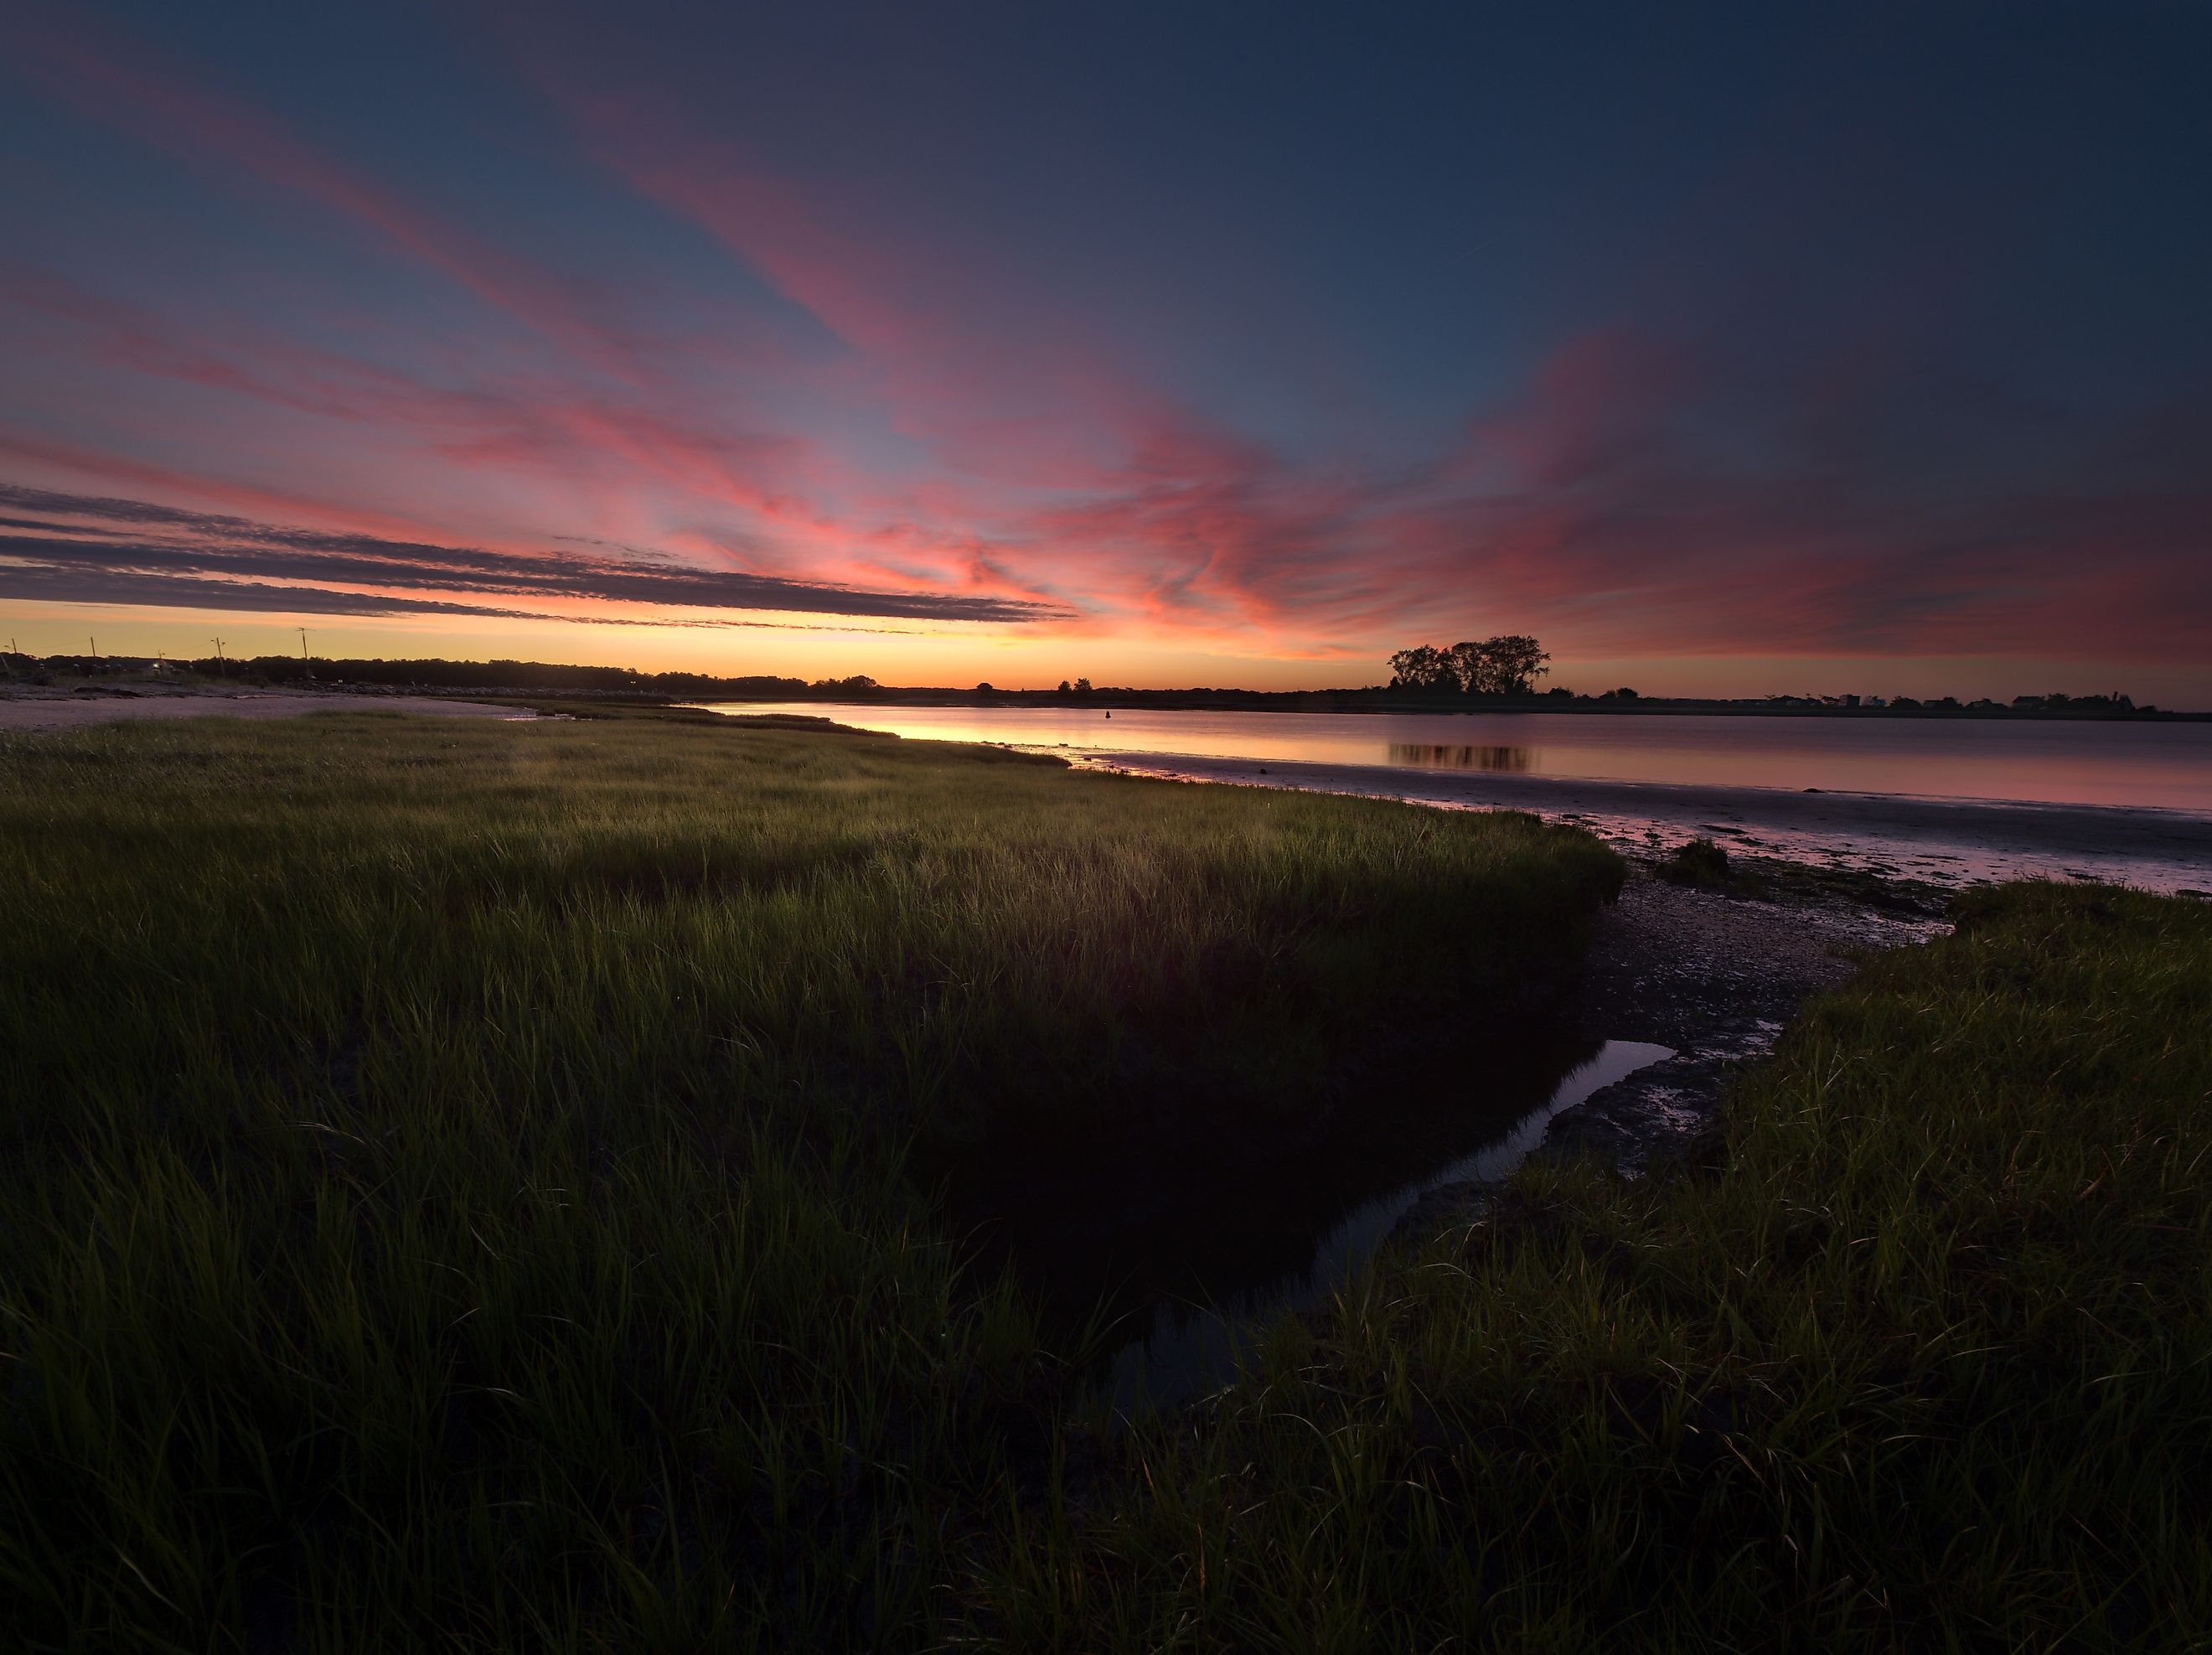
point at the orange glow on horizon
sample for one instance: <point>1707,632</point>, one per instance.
<point>957,659</point>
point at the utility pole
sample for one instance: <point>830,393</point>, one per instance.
<point>305,660</point>
<point>219,662</point>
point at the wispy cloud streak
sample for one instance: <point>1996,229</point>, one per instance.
<point>886,409</point>
<point>200,558</point>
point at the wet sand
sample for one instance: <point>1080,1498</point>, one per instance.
<point>33,710</point>
<point>1946,842</point>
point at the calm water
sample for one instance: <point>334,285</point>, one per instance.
<point>2165,766</point>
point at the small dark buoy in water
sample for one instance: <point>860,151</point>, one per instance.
<point>1263,770</point>
<point>1109,714</point>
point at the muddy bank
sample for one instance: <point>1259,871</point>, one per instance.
<point>1680,986</point>
<point>1715,977</point>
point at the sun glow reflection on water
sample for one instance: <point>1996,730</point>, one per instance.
<point>2161,765</point>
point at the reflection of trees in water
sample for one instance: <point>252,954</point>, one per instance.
<point>1447,757</point>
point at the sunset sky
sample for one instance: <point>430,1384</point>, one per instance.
<point>1781,348</point>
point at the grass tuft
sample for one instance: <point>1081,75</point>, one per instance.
<point>1699,863</point>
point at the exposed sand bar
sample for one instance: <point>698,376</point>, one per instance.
<point>1947,840</point>
<point>24,713</point>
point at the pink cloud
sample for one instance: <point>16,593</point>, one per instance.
<point>1637,495</point>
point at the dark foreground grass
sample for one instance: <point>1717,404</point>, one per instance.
<point>454,1177</point>
<point>1917,1358</point>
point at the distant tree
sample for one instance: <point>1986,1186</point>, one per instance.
<point>1514,663</point>
<point>1065,688</point>
<point>1423,667</point>
<point>1083,686</point>
<point>1507,665</point>
<point>1470,668</point>
<point>1414,669</point>
<point>985,689</point>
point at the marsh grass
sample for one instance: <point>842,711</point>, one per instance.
<point>1917,1353</point>
<point>1699,862</point>
<point>460,1180</point>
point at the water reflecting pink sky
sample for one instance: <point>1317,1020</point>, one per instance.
<point>2167,766</point>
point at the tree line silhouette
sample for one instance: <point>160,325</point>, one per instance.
<point>1507,665</point>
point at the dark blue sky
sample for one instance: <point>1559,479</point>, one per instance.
<point>1843,347</point>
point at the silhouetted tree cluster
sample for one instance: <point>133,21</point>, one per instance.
<point>1507,665</point>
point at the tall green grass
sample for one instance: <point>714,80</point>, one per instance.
<point>456,1180</point>
<point>1916,1355</point>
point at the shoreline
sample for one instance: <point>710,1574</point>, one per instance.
<point>1323,702</point>
<point>1946,843</point>
<point>132,676</point>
